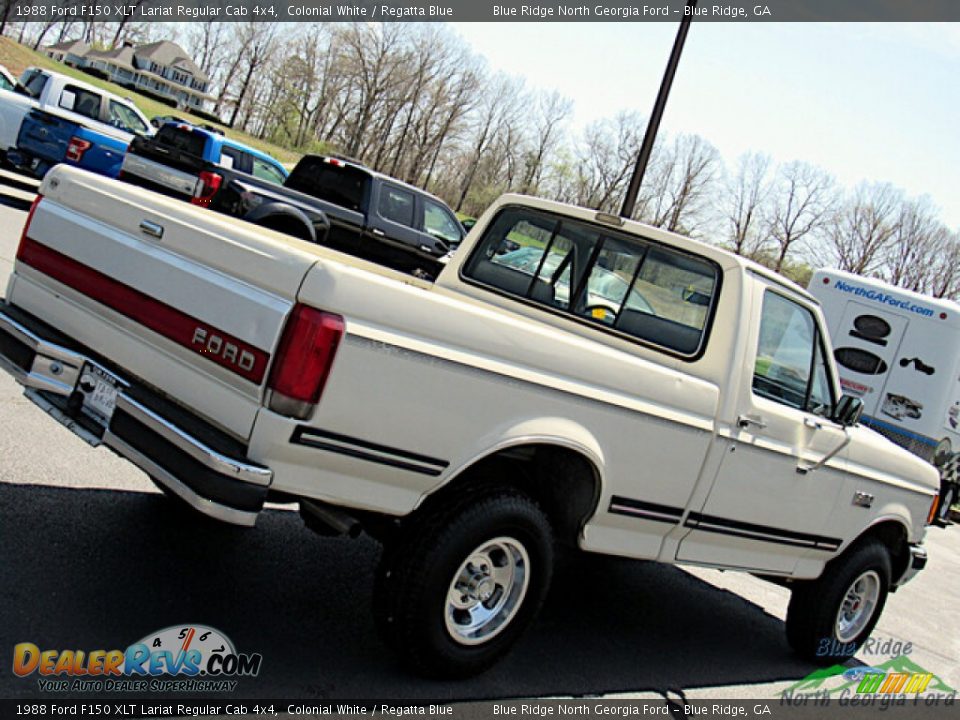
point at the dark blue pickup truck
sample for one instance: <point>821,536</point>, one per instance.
<point>46,139</point>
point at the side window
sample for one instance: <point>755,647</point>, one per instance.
<point>125,118</point>
<point>32,83</point>
<point>438,222</point>
<point>624,283</point>
<point>791,366</point>
<point>266,171</point>
<point>231,158</point>
<point>84,102</point>
<point>396,204</point>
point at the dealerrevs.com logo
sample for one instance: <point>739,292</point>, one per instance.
<point>180,658</point>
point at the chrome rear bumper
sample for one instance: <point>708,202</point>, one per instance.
<point>159,438</point>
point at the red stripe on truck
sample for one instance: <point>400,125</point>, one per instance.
<point>187,331</point>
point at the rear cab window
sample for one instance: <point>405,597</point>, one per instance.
<point>620,283</point>
<point>182,139</point>
<point>340,184</point>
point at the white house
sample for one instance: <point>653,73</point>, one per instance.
<point>161,69</point>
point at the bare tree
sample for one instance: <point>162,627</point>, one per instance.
<point>745,194</point>
<point>800,202</point>
<point>945,278</point>
<point>552,110</point>
<point>678,184</point>
<point>858,235</point>
<point>502,104</point>
<point>258,47</point>
<point>918,241</point>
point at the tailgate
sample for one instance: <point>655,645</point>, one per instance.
<point>46,136</point>
<point>188,301</point>
<point>163,177</point>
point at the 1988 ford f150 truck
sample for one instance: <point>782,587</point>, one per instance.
<point>605,385</point>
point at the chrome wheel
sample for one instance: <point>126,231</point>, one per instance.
<point>858,607</point>
<point>487,591</point>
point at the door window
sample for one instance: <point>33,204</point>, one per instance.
<point>438,222</point>
<point>266,171</point>
<point>396,204</point>
<point>791,366</point>
<point>125,118</point>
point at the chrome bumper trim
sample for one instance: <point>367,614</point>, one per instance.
<point>194,448</point>
<point>194,500</point>
<point>55,370</point>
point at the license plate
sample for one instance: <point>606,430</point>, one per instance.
<point>99,392</point>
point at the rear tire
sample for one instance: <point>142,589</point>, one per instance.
<point>456,590</point>
<point>828,619</point>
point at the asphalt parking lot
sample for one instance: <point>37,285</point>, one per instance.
<point>94,557</point>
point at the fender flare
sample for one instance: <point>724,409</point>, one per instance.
<point>270,210</point>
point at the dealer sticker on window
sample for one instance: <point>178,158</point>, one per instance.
<point>99,391</point>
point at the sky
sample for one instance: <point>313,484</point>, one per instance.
<point>875,102</point>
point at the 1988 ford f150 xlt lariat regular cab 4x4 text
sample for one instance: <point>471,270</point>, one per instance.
<point>600,384</point>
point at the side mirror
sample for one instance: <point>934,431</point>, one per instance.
<point>848,411</point>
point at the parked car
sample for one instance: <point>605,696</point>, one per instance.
<point>191,162</point>
<point>46,139</point>
<point>474,424</point>
<point>328,200</point>
<point>68,99</point>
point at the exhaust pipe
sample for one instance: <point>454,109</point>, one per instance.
<point>328,520</point>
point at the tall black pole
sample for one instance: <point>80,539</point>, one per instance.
<point>654,125</point>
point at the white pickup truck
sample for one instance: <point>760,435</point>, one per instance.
<point>63,96</point>
<point>569,377</point>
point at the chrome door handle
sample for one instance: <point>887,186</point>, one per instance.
<point>152,229</point>
<point>748,420</point>
<point>378,233</point>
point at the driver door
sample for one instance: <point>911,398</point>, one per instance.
<point>767,508</point>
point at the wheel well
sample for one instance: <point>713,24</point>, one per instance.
<point>564,482</point>
<point>893,535</point>
<point>287,225</point>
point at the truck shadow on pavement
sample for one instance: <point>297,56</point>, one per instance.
<point>96,569</point>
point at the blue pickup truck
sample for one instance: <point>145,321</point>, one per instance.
<point>46,139</point>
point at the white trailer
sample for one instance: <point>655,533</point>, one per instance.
<point>900,352</point>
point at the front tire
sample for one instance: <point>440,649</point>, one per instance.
<point>456,590</point>
<point>828,619</point>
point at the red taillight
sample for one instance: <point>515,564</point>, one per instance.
<point>76,148</point>
<point>335,162</point>
<point>209,184</point>
<point>303,360</point>
<point>26,225</point>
